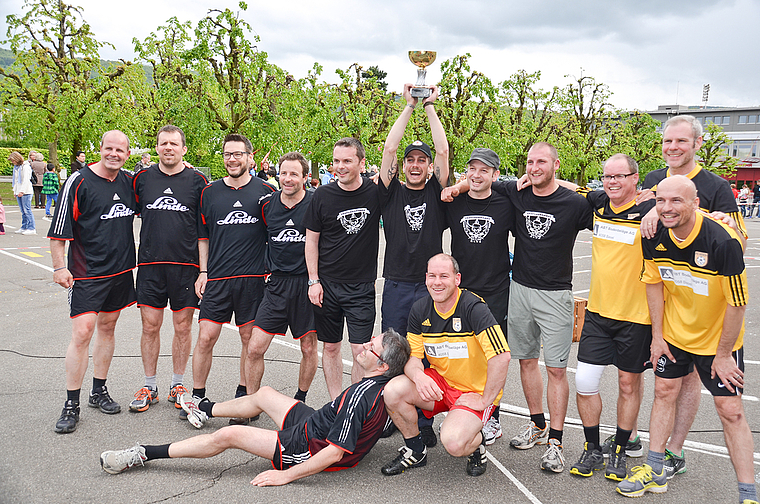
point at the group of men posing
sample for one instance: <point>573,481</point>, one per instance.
<point>682,310</point>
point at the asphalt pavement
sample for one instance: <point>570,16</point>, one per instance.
<point>39,465</point>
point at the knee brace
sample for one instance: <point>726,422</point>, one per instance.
<point>587,378</point>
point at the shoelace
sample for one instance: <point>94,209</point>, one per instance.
<point>178,391</point>
<point>143,393</point>
<point>639,473</point>
<point>130,457</point>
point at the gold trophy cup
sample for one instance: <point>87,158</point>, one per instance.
<point>422,59</point>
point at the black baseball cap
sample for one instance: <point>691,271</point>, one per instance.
<point>420,146</point>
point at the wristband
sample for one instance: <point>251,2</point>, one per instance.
<point>59,269</point>
<point>410,106</point>
<point>204,271</point>
<point>426,104</point>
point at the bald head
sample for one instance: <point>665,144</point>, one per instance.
<point>677,203</point>
<point>680,184</point>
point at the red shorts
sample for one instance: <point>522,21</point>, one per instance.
<point>450,396</point>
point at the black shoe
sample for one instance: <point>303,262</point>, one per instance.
<point>406,459</point>
<point>389,430</point>
<point>243,421</point>
<point>477,463</point>
<point>616,466</point>
<point>428,436</point>
<point>591,460</point>
<point>67,422</point>
<point>102,400</point>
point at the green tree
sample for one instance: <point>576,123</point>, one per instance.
<point>57,89</point>
<point>714,151</point>
<point>635,133</point>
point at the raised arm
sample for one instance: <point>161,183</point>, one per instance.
<point>440,143</point>
<point>389,164</point>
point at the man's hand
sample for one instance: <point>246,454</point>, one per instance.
<point>659,348</point>
<point>200,285</point>
<point>728,372</point>
<point>449,193</point>
<point>649,227</point>
<point>644,195</point>
<point>428,389</point>
<point>524,182</point>
<point>408,95</point>
<point>272,477</point>
<point>316,294</point>
<point>433,95</point>
<point>472,400</point>
<point>64,278</point>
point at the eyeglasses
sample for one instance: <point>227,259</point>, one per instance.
<point>618,178</point>
<point>237,155</point>
<point>378,357</point>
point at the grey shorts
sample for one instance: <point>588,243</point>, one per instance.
<point>540,317</point>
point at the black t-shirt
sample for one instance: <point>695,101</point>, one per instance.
<point>413,221</point>
<point>287,234</point>
<point>96,215</point>
<point>231,221</point>
<point>348,223</point>
<point>714,192</point>
<point>545,231</point>
<point>168,205</point>
<point>479,231</point>
<point>353,421</point>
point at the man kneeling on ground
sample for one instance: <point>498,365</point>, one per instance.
<point>337,436</point>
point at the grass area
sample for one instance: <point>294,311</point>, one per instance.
<point>6,192</point>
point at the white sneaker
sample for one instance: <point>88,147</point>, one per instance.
<point>29,232</point>
<point>530,436</point>
<point>19,231</point>
<point>195,416</point>
<point>492,431</point>
<point>553,459</point>
<point>114,462</point>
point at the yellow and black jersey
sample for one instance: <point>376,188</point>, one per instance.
<point>616,259</point>
<point>701,275</point>
<point>458,343</point>
<point>714,192</point>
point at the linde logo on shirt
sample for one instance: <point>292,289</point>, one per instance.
<point>289,235</point>
<point>237,217</point>
<point>538,224</point>
<point>415,217</point>
<point>167,203</point>
<point>118,210</point>
<point>353,220</point>
<point>476,227</point>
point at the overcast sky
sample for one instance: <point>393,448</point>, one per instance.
<point>649,52</point>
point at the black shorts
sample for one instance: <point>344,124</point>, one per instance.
<point>398,298</point>
<point>626,345</point>
<point>499,304</point>
<point>95,295</point>
<point>157,283</point>
<point>683,366</point>
<point>241,295</point>
<point>286,303</point>
<point>355,302</point>
<point>293,443</point>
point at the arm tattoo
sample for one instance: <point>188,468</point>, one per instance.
<point>392,169</point>
<point>438,173</point>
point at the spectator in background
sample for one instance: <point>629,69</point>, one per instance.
<point>143,163</point>
<point>22,189</point>
<point>734,190</point>
<point>328,177</point>
<point>37,161</point>
<point>756,196</point>
<point>2,217</point>
<point>50,187</point>
<point>78,162</point>
<point>743,199</point>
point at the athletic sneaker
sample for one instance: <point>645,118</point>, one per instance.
<point>428,436</point>
<point>143,399</point>
<point>114,462</point>
<point>492,431</point>
<point>632,448</point>
<point>643,479</point>
<point>553,459</point>
<point>29,232</point>
<point>174,392</point>
<point>749,501</point>
<point>529,437</point>
<point>477,462</point>
<point>67,422</point>
<point>616,465</point>
<point>406,459</point>
<point>591,460</point>
<point>102,400</point>
<point>195,416</point>
<point>674,464</point>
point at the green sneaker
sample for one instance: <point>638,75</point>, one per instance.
<point>643,479</point>
<point>674,464</point>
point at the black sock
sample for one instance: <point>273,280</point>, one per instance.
<point>73,395</point>
<point>156,451</point>
<point>300,395</point>
<point>206,406</point>
<point>495,413</point>
<point>415,443</point>
<point>555,434</point>
<point>199,392</point>
<point>98,384</point>
<point>539,419</point>
<point>240,391</point>
<point>622,437</point>
<point>592,436</point>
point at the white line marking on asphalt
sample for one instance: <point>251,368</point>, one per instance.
<point>27,260</point>
<point>513,479</point>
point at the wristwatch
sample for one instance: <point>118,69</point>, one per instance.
<point>312,282</point>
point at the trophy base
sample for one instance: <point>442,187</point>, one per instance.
<point>421,92</point>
